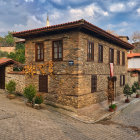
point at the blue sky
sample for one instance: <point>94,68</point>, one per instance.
<point>122,16</point>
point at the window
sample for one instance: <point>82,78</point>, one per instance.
<point>123,58</point>
<point>111,55</point>
<point>122,80</point>
<point>90,51</point>
<point>57,50</point>
<point>93,83</point>
<point>39,54</point>
<point>100,54</point>
<point>118,57</point>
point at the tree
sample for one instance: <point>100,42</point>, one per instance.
<point>136,36</point>
<point>8,40</point>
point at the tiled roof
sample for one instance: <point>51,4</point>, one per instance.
<point>134,70</point>
<point>131,55</point>
<point>4,61</point>
<point>83,24</point>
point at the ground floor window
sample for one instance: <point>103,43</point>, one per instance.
<point>93,83</point>
<point>43,83</point>
<point>122,80</point>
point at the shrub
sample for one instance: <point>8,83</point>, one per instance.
<point>136,85</point>
<point>11,86</point>
<point>38,99</point>
<point>30,92</point>
<point>127,90</point>
<point>113,106</point>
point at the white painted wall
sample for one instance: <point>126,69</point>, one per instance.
<point>134,63</point>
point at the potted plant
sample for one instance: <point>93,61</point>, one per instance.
<point>38,101</point>
<point>137,87</point>
<point>127,92</point>
<point>11,87</point>
<point>29,93</point>
<point>112,107</point>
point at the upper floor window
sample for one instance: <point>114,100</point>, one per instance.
<point>111,55</point>
<point>39,52</point>
<point>100,53</point>
<point>118,57</point>
<point>90,51</point>
<point>93,83</point>
<point>123,58</point>
<point>57,50</point>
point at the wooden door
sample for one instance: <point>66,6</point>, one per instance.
<point>2,77</point>
<point>43,83</point>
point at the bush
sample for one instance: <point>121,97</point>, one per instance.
<point>136,85</point>
<point>113,106</point>
<point>127,90</point>
<point>30,92</point>
<point>11,86</point>
<point>38,99</point>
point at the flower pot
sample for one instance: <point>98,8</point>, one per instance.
<point>127,100</point>
<point>111,109</point>
<point>137,95</point>
<point>37,106</point>
<point>11,96</point>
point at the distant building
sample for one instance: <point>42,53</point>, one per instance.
<point>133,67</point>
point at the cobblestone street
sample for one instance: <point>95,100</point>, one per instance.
<point>19,122</point>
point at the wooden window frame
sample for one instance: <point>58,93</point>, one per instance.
<point>122,80</point>
<point>123,58</point>
<point>90,54</point>
<point>118,57</point>
<point>93,83</point>
<point>111,55</point>
<point>36,52</point>
<point>100,54</point>
<point>57,59</point>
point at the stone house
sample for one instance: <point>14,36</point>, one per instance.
<point>133,67</point>
<point>81,53</point>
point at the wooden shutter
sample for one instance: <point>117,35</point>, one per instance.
<point>120,80</point>
<point>93,83</point>
<point>123,80</point>
<point>43,83</point>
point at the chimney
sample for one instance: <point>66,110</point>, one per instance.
<point>124,38</point>
<point>47,24</point>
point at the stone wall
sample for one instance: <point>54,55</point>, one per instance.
<point>7,49</point>
<point>132,77</point>
<point>72,84</point>
<point>102,70</point>
<point>18,77</point>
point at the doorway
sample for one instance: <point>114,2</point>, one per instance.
<point>2,77</point>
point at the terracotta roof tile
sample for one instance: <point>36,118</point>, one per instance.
<point>131,55</point>
<point>79,23</point>
<point>4,61</point>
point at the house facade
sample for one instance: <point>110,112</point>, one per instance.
<point>133,67</point>
<point>81,55</point>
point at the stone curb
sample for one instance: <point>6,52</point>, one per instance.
<point>106,116</point>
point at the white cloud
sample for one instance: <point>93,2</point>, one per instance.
<point>138,11</point>
<point>89,11</point>
<point>132,3</point>
<point>29,0</point>
<point>117,7</point>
